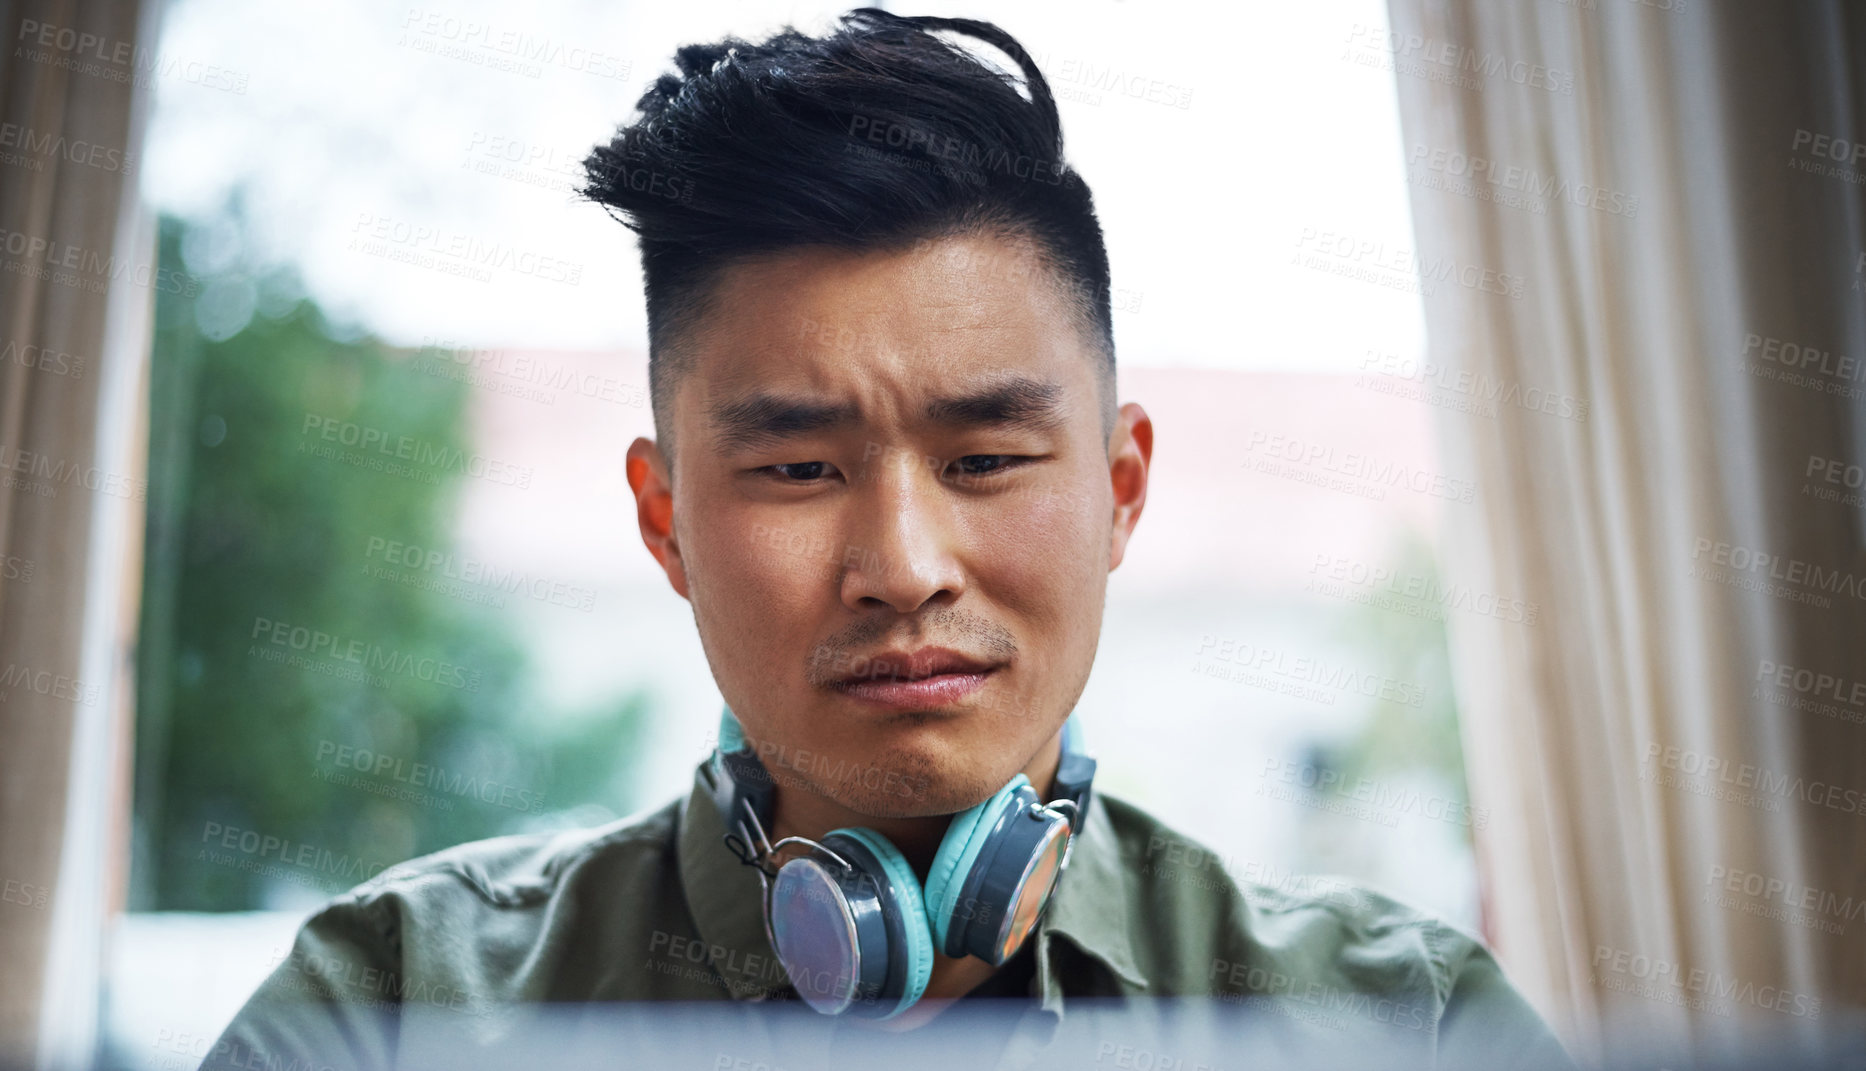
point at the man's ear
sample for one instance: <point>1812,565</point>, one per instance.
<point>1130,453</point>
<point>654,509</point>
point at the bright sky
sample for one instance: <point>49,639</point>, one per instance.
<point>369,121</point>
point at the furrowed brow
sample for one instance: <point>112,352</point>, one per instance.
<point>764,419</point>
<point>1019,402</point>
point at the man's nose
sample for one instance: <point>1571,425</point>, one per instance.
<point>902,542</point>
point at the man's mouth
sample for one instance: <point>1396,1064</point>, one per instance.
<point>925,679</point>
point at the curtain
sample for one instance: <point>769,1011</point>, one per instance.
<point>77,279</point>
<point>1665,423</point>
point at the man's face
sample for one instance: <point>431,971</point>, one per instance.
<point>893,515</point>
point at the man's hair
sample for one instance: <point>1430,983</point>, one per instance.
<point>878,135</point>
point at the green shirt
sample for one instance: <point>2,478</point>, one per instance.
<point>656,908</point>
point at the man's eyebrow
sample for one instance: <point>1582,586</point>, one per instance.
<point>763,419</point>
<point>1020,401</point>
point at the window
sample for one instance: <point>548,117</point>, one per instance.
<point>394,596</point>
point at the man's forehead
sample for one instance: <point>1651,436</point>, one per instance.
<point>839,359</point>
<point>815,297</point>
<point>836,323</point>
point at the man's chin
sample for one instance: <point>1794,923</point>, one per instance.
<point>912,790</point>
<point>925,804</point>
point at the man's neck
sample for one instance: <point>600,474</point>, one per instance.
<point>800,813</point>
<point>806,814</point>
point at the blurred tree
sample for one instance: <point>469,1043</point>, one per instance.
<point>1413,653</point>
<point>267,772</point>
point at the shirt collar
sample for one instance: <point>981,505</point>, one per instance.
<point>1092,906</point>
<point>726,900</point>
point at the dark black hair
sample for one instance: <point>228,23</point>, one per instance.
<point>877,135</point>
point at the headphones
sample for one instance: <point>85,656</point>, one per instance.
<point>848,919</point>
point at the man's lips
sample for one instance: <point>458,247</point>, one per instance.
<point>916,680</point>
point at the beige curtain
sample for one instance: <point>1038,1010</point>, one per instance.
<point>76,286</point>
<point>1675,750</point>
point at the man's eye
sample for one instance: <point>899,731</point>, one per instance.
<point>980,464</point>
<point>801,471</point>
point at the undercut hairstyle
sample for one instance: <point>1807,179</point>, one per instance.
<point>876,136</point>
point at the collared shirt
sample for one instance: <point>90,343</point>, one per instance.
<point>657,908</point>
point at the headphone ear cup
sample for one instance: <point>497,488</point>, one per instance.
<point>957,854</point>
<point>910,938</point>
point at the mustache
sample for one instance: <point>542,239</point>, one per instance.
<point>960,630</point>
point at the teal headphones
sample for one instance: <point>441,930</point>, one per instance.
<point>848,919</point>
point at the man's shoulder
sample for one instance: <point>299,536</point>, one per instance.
<point>518,870</point>
<point>1268,927</point>
<point>1323,952</point>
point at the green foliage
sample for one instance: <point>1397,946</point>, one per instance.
<point>250,728</point>
<point>1400,738</point>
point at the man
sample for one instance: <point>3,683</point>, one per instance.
<point>891,478</point>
